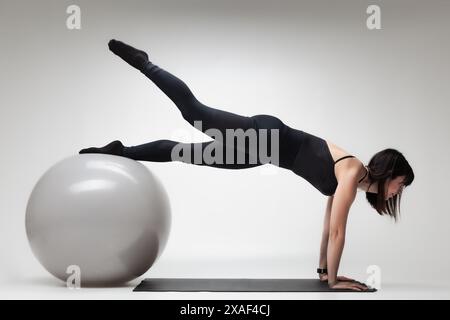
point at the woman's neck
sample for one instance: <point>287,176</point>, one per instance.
<point>365,183</point>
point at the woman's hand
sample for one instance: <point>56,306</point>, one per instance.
<point>356,286</point>
<point>324,277</point>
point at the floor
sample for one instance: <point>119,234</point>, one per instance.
<point>44,286</point>
<point>47,288</point>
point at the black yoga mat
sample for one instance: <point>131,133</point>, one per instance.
<point>244,285</point>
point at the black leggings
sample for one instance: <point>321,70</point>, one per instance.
<point>191,109</point>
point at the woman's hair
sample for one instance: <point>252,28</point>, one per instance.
<point>388,163</point>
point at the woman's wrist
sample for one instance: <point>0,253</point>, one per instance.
<point>322,270</point>
<point>331,282</point>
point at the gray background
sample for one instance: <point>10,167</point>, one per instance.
<point>314,64</point>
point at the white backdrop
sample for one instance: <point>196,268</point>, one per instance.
<point>314,64</point>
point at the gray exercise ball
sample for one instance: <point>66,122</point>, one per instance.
<point>107,215</point>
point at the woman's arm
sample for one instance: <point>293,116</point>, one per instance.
<point>325,235</point>
<point>343,198</point>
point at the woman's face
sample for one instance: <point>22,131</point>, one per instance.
<point>393,186</point>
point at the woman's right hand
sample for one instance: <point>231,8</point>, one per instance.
<point>352,285</point>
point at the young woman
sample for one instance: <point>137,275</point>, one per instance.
<point>329,168</point>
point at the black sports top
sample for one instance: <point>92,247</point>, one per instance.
<point>315,163</point>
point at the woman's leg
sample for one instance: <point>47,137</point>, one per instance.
<point>216,154</point>
<point>210,153</point>
<point>190,108</point>
<point>193,110</point>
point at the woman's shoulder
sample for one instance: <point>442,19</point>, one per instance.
<point>352,170</point>
<point>350,166</point>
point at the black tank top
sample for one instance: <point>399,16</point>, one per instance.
<point>315,164</point>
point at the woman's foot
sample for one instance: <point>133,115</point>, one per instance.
<point>115,148</point>
<point>136,58</point>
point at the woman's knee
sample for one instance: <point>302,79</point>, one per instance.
<point>191,110</point>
